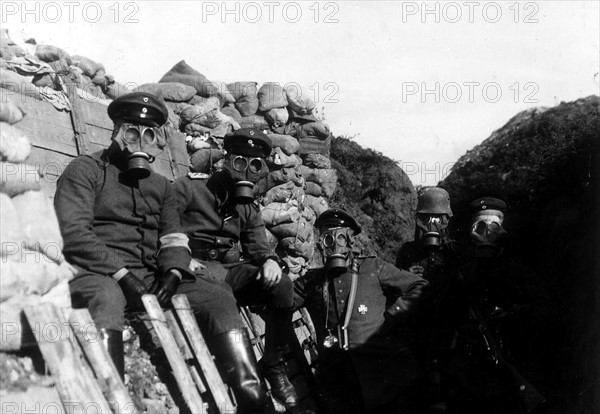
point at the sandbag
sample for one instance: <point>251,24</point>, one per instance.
<point>283,175</point>
<point>277,117</point>
<point>181,72</point>
<point>202,160</point>
<point>254,121</point>
<point>283,193</point>
<point>14,82</point>
<point>314,145</point>
<point>313,189</point>
<point>116,90</point>
<point>9,111</point>
<point>169,91</point>
<point>196,112</point>
<point>12,320</point>
<point>325,177</point>
<point>197,143</point>
<point>271,95</point>
<point>240,90</point>
<point>196,130</point>
<point>39,224</point>
<point>56,57</point>
<point>14,144</point>
<point>309,214</point>
<point>18,178</point>
<point>294,246</point>
<point>31,272</point>
<point>279,159</point>
<point>230,110</point>
<point>301,230</point>
<point>316,161</point>
<point>279,213</point>
<point>272,241</point>
<point>316,129</point>
<point>87,65</point>
<point>10,226</point>
<point>302,105</point>
<point>317,204</point>
<point>296,266</point>
<point>288,144</point>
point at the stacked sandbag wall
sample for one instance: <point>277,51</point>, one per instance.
<point>300,177</point>
<point>32,266</point>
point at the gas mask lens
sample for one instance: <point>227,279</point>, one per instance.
<point>243,164</point>
<point>330,240</point>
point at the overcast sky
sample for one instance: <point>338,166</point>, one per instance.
<point>420,82</point>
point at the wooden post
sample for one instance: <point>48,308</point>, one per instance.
<point>79,392</point>
<point>178,365</point>
<point>79,127</point>
<point>90,340</point>
<point>207,363</point>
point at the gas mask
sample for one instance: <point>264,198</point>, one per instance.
<point>336,245</point>
<point>487,232</point>
<point>245,172</point>
<point>140,144</point>
<point>433,228</point>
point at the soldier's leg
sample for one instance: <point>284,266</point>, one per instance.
<point>279,302</point>
<point>217,314</point>
<point>103,297</point>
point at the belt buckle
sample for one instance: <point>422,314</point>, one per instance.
<point>213,254</point>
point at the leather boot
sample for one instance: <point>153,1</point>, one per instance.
<point>113,341</point>
<point>237,363</point>
<point>278,330</point>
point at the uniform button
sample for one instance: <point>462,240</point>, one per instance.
<point>341,301</point>
<point>339,281</point>
<point>397,307</point>
<point>341,291</point>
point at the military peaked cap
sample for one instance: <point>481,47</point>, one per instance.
<point>487,203</point>
<point>249,142</point>
<point>335,217</point>
<point>139,108</point>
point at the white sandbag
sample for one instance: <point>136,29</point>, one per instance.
<point>317,204</point>
<point>169,91</point>
<point>18,178</point>
<point>39,224</point>
<point>14,144</point>
<point>316,161</point>
<point>279,159</point>
<point>288,144</point>
<point>298,101</point>
<point>279,213</point>
<point>271,95</point>
<point>283,193</point>
<point>283,175</point>
<point>277,117</point>
<point>10,112</point>
<point>301,230</point>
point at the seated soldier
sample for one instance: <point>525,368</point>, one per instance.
<point>228,237</point>
<point>363,367</point>
<point>121,230</point>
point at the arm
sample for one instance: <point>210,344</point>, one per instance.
<point>407,287</point>
<point>74,203</point>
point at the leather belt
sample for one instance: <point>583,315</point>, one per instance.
<point>217,255</point>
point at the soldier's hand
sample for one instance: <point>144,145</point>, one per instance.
<point>166,287</point>
<point>417,270</point>
<point>133,289</point>
<point>270,273</point>
<point>195,265</point>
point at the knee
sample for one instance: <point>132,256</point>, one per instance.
<point>283,293</point>
<point>110,295</point>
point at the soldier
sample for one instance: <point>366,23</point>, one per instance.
<point>119,220</point>
<point>363,368</point>
<point>433,255</point>
<point>227,235</point>
<point>121,229</point>
<point>486,325</point>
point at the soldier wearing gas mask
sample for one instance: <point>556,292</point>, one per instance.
<point>227,236</point>
<point>363,367</point>
<point>490,325</point>
<point>119,221</point>
<point>432,252</point>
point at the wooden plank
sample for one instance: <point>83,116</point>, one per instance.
<point>77,116</point>
<point>42,110</point>
<point>50,136</point>
<point>178,365</point>
<point>106,373</point>
<point>217,388</point>
<point>185,349</point>
<point>95,113</point>
<point>77,390</point>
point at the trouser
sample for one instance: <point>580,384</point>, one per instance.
<point>212,302</point>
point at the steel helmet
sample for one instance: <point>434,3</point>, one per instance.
<point>434,200</point>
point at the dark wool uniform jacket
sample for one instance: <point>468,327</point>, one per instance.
<point>380,361</point>
<point>210,220</point>
<point>109,221</point>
